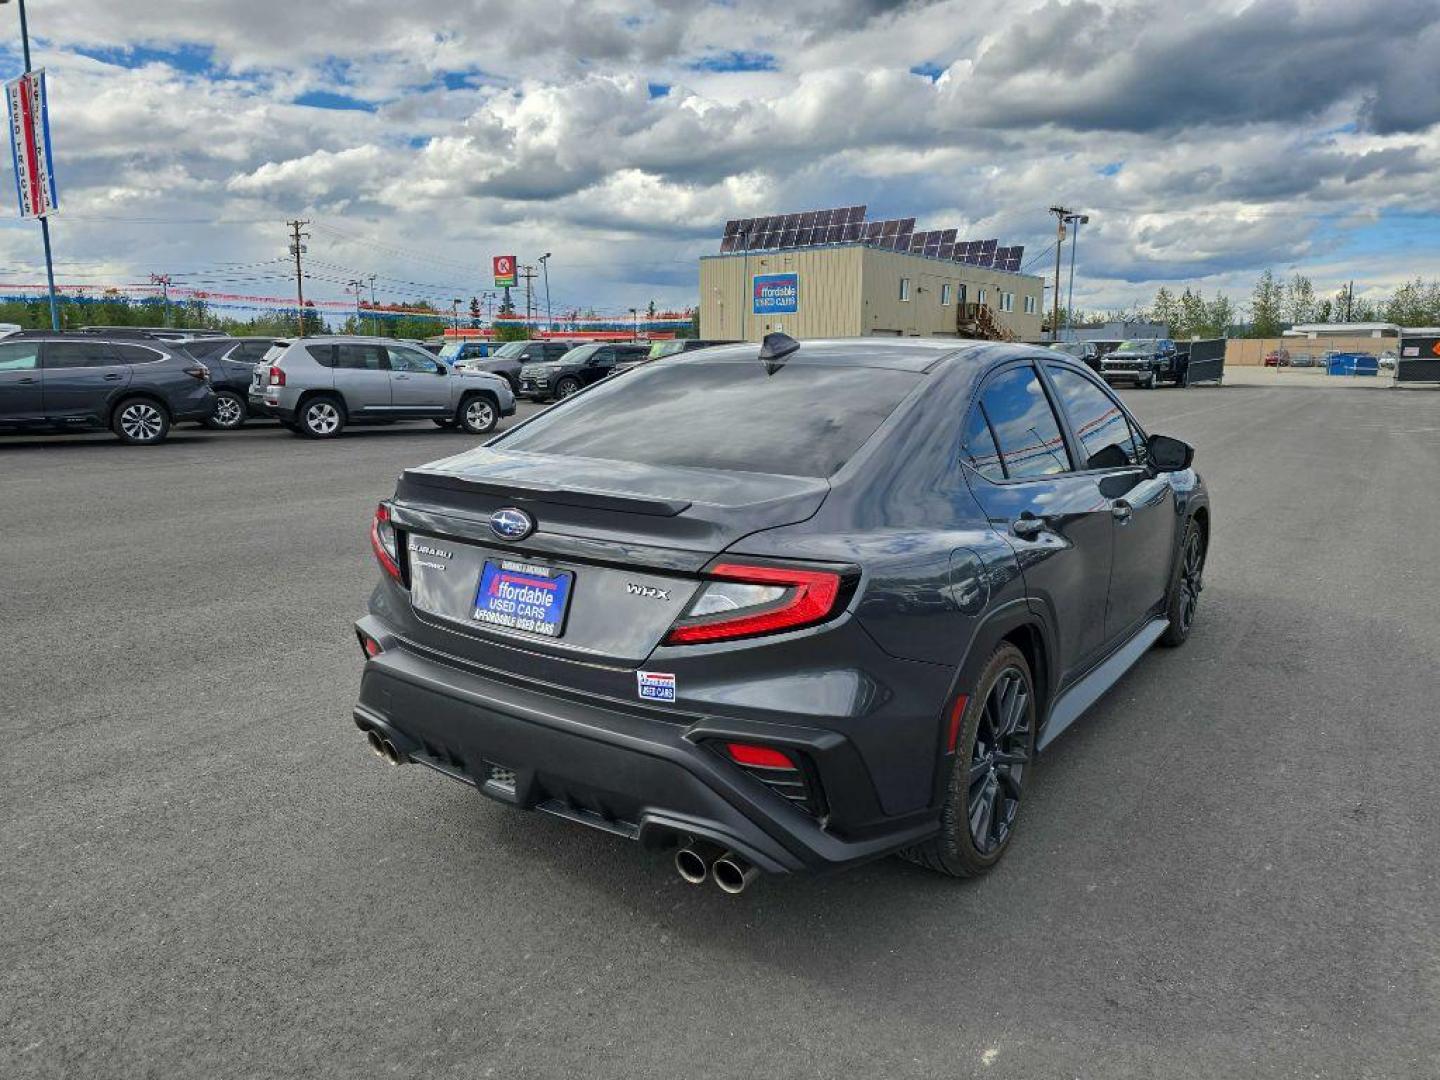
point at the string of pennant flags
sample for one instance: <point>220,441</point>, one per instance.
<point>99,294</point>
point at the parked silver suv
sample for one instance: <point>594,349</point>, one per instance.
<point>316,385</point>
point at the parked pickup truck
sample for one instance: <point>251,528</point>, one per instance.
<point>1150,362</point>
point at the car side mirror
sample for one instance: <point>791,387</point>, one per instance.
<point>1169,455</point>
<point>440,369</point>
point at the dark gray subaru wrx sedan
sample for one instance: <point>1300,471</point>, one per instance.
<point>785,608</point>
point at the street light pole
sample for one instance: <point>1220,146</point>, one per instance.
<point>545,269</point>
<point>1077,220</point>
<point>44,220</point>
<point>635,315</point>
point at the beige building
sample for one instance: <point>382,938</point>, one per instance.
<point>851,290</point>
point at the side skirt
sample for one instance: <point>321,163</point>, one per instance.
<point>1073,702</point>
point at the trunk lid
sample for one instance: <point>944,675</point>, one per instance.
<point>628,538</point>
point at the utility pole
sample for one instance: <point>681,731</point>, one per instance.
<point>163,280</point>
<point>374,318</point>
<point>545,269</point>
<point>297,248</point>
<point>455,314</point>
<point>1349,299</point>
<point>528,273</point>
<point>635,315</point>
<point>354,286</point>
<point>1060,215</point>
<point>1077,220</point>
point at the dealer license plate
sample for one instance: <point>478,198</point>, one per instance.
<point>523,596</point>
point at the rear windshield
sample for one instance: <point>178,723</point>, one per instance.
<point>804,420</point>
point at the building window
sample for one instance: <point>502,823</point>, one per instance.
<point>945,291</point>
<point>1007,301</point>
<point>960,296</point>
<point>904,288</point>
<point>1029,305</point>
<point>981,297</point>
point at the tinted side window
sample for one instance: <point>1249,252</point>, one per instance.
<point>1025,425</point>
<point>1097,420</point>
<point>555,352</point>
<point>249,352</point>
<point>602,358</point>
<point>412,360</point>
<point>978,448</point>
<point>324,355</point>
<point>20,356</point>
<point>136,354</point>
<point>360,357</point>
<point>76,354</point>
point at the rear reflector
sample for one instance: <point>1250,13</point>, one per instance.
<point>369,645</point>
<point>763,757</point>
<point>791,597</point>
<point>957,712</point>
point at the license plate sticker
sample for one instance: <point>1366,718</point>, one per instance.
<point>523,596</point>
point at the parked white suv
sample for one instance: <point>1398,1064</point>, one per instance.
<point>316,385</point>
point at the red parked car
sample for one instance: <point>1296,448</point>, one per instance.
<point>1277,358</point>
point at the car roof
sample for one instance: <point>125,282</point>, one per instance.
<point>899,354</point>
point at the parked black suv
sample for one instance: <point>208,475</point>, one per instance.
<point>135,386</point>
<point>577,369</point>
<point>787,611</point>
<point>231,361</point>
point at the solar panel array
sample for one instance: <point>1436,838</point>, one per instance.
<point>847,225</point>
<point>813,228</point>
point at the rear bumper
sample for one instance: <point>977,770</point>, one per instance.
<point>622,772</point>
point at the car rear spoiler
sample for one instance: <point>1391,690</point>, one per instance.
<point>540,491</point>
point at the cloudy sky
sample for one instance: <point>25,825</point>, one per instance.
<point>1206,140</point>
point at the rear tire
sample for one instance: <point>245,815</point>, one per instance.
<point>229,413</point>
<point>1183,599</point>
<point>993,752</point>
<point>321,417</point>
<point>477,415</point>
<point>140,422</point>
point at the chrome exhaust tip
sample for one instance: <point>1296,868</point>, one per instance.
<point>377,744</point>
<point>691,865</point>
<point>733,874</point>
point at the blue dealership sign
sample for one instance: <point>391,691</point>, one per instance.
<point>777,294</point>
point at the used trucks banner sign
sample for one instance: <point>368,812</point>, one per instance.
<point>30,145</point>
<point>777,294</point>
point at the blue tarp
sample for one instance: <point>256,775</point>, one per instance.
<point>1351,364</point>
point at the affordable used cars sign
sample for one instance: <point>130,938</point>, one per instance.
<point>777,294</point>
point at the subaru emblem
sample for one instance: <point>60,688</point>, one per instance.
<point>511,524</point>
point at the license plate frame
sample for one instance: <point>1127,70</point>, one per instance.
<point>523,596</point>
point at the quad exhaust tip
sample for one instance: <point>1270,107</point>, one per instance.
<point>732,873</point>
<point>382,747</point>
<point>692,865</point>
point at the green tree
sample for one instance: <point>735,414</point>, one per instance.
<point>1165,310</point>
<point>1219,316</point>
<point>1192,315</point>
<point>1300,299</point>
<point>1267,307</point>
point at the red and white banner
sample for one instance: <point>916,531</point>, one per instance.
<point>30,145</point>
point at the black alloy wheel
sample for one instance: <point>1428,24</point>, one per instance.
<point>1184,599</point>
<point>566,387</point>
<point>993,751</point>
<point>997,761</point>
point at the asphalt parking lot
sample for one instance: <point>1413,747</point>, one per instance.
<point>1230,868</point>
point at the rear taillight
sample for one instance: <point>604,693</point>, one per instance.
<point>386,543</point>
<point>743,600</point>
<point>275,376</point>
<point>782,771</point>
<point>198,371</point>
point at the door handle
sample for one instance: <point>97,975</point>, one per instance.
<point>1121,511</point>
<point>27,381</point>
<point>1027,526</point>
<point>402,376</point>
<point>113,377</point>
